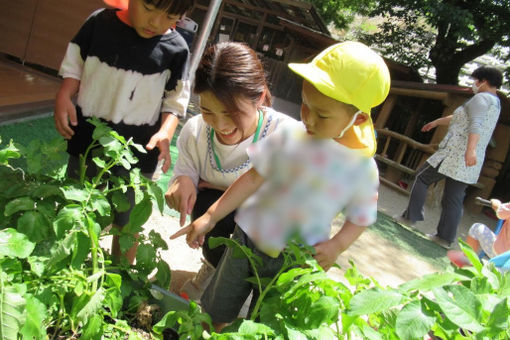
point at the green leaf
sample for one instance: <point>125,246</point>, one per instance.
<point>8,152</point>
<point>35,225</point>
<point>14,244</point>
<point>145,258</point>
<point>169,320</point>
<point>19,204</point>
<point>462,308</point>
<point>75,194</point>
<point>139,215</point>
<point>252,328</point>
<point>373,300</point>
<point>323,311</point>
<point>114,280</point>
<point>156,193</point>
<point>413,322</point>
<point>164,274</point>
<point>471,255</point>
<point>126,241</point>
<point>431,281</point>
<point>12,305</point>
<point>157,241</point>
<point>120,201</point>
<point>93,330</point>
<point>35,314</point>
<point>113,301</point>
<point>100,204</point>
<point>87,307</point>
<point>37,264</point>
<point>46,190</point>
<point>101,164</point>
<point>498,319</point>
<point>68,217</point>
<point>81,250</point>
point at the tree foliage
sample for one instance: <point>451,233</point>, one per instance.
<point>444,33</point>
<point>342,12</point>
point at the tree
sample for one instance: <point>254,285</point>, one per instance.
<point>444,33</point>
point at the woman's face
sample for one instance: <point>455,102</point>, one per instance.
<point>229,131</point>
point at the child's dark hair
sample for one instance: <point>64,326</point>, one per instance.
<point>171,6</point>
<point>492,75</point>
<point>232,70</point>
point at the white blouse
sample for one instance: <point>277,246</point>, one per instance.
<point>196,159</point>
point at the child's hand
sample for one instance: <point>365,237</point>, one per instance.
<point>181,196</point>
<point>326,253</point>
<point>65,113</point>
<point>495,204</point>
<point>161,141</point>
<point>195,232</point>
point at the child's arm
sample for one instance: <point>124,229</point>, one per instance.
<point>163,138</point>
<point>235,195</point>
<point>65,112</point>
<point>328,251</point>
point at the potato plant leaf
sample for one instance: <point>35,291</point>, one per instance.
<point>413,322</point>
<point>14,244</point>
<point>35,314</point>
<point>35,225</point>
<point>431,281</point>
<point>374,300</point>
<point>461,307</point>
<point>75,194</point>
<point>164,274</point>
<point>139,215</point>
<point>91,306</point>
<point>19,204</point>
<point>8,152</point>
<point>498,319</point>
<point>12,305</point>
<point>93,330</point>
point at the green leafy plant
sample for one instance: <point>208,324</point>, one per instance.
<point>302,302</point>
<point>55,278</point>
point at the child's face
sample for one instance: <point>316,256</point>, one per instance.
<point>229,131</point>
<point>324,117</point>
<point>148,21</point>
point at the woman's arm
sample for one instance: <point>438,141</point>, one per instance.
<point>435,123</point>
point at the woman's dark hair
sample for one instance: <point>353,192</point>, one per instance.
<point>492,75</point>
<point>232,70</point>
<point>171,6</point>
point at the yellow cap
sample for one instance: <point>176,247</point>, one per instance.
<point>351,73</point>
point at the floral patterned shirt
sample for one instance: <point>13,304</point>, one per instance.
<point>308,182</point>
<point>450,155</point>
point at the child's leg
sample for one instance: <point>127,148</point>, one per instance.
<point>228,290</point>
<point>480,235</point>
<point>225,295</point>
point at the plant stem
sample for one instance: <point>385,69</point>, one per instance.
<point>93,248</point>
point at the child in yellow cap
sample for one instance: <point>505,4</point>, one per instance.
<point>303,177</point>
